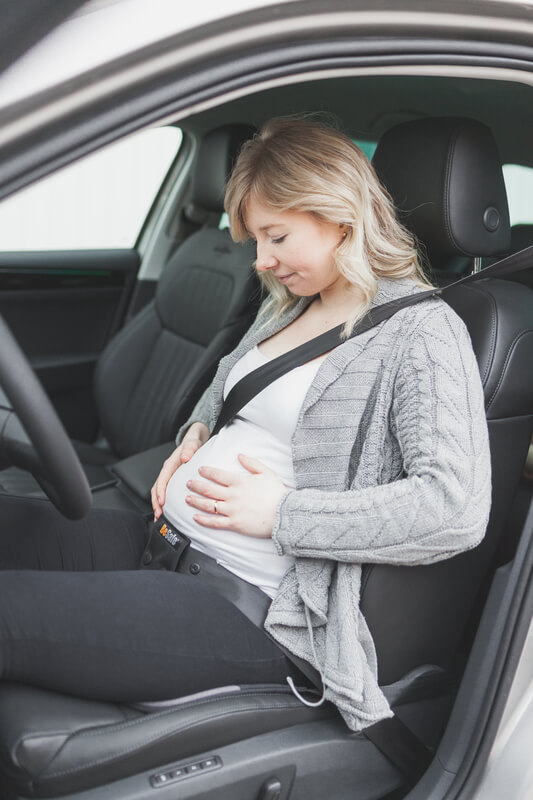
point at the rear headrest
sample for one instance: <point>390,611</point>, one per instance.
<point>217,153</point>
<point>446,180</point>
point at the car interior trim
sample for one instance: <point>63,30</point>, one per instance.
<point>482,17</point>
<point>179,99</point>
<point>250,65</point>
<point>509,74</point>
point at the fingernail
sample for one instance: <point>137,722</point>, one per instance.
<point>188,485</point>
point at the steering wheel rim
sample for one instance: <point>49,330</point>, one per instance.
<point>42,445</point>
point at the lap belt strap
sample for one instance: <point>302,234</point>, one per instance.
<point>253,383</point>
<point>169,548</point>
<point>249,599</point>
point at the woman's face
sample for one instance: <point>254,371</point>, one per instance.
<point>296,248</point>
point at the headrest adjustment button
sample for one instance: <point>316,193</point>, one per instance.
<point>491,219</point>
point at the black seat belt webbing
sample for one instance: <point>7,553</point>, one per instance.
<point>401,746</point>
<point>253,383</point>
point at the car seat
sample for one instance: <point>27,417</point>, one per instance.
<point>150,375</point>
<point>238,743</point>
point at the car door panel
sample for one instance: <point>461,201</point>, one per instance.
<point>63,307</point>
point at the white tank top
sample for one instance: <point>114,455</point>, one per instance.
<point>263,429</point>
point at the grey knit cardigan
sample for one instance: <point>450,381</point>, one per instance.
<point>392,465</point>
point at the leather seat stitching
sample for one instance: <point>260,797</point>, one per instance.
<point>493,328</point>
<point>167,712</point>
<point>160,736</point>
<point>512,346</point>
<point>447,180</point>
<point>125,334</point>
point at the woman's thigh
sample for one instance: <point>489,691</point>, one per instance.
<point>128,636</point>
<point>34,535</point>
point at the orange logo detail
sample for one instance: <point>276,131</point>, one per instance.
<point>164,530</point>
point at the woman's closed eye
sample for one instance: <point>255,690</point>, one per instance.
<point>279,239</point>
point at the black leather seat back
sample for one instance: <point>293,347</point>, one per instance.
<point>446,177</point>
<point>152,373</point>
<point>522,237</point>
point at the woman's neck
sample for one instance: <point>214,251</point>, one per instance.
<point>338,304</point>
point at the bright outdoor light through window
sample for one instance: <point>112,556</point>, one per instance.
<point>519,185</point>
<point>98,202</point>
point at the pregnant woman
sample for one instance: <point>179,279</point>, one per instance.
<point>349,458</point>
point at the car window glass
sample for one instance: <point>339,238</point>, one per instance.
<point>519,185</point>
<point>368,148</point>
<point>100,201</point>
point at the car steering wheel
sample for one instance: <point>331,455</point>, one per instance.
<point>32,436</point>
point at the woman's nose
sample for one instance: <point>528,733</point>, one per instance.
<point>265,258</point>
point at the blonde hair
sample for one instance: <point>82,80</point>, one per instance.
<point>300,164</point>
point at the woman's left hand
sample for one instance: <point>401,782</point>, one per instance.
<point>245,503</point>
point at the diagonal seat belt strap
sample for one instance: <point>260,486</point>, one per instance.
<point>260,378</point>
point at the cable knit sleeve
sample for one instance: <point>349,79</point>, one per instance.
<point>440,505</point>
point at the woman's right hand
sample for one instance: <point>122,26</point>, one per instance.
<point>195,437</point>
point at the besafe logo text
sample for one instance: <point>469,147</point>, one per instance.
<point>169,535</point>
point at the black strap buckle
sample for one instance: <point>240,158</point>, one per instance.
<point>165,546</point>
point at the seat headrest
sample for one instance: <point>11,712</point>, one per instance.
<point>446,180</point>
<point>216,155</point>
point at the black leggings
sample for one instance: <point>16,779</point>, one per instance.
<point>76,616</point>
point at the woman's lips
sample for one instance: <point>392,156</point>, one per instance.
<point>284,278</point>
